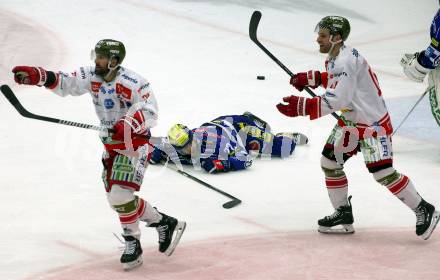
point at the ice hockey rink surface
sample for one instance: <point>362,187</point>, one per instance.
<point>55,220</point>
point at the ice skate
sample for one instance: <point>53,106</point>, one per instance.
<point>427,219</point>
<point>132,255</point>
<point>341,221</point>
<point>166,228</point>
<point>298,138</point>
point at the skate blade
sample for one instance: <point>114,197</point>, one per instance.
<point>346,229</point>
<point>130,265</point>
<point>180,228</point>
<point>434,222</point>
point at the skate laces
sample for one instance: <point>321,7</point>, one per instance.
<point>162,232</point>
<point>420,214</point>
<point>130,247</point>
<point>334,215</point>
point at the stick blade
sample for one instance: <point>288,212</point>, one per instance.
<point>9,94</point>
<point>253,25</point>
<point>231,203</point>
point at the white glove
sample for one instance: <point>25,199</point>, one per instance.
<point>412,68</point>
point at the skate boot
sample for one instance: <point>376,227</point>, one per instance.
<point>342,216</point>
<point>427,219</point>
<point>166,228</point>
<point>297,138</point>
<point>132,255</point>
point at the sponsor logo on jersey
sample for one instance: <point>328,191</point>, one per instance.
<point>144,86</point>
<point>96,86</point>
<point>108,123</point>
<point>355,53</point>
<point>109,103</point>
<point>82,72</point>
<point>123,91</point>
<point>337,75</point>
<point>111,91</point>
<point>125,76</point>
<point>329,94</point>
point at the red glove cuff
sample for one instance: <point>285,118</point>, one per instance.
<point>313,107</point>
<point>324,79</point>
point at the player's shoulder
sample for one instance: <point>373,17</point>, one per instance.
<point>130,77</point>
<point>350,54</point>
<point>350,58</point>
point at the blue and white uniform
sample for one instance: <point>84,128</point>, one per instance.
<point>430,58</point>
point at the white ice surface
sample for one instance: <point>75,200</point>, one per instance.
<point>201,64</point>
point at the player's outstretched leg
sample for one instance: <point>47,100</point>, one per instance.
<point>297,137</point>
<point>170,231</point>
<point>132,255</point>
<point>343,216</point>
<point>427,219</point>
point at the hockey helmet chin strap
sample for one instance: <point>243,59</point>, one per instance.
<point>334,44</point>
<point>110,68</point>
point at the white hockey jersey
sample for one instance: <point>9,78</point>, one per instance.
<point>125,95</point>
<point>353,89</point>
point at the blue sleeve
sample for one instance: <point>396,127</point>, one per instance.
<point>237,164</point>
<point>430,58</point>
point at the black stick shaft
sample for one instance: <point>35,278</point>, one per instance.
<point>9,94</point>
<point>253,26</point>
<point>235,201</point>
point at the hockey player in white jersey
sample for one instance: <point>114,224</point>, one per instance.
<point>364,125</point>
<point>124,102</point>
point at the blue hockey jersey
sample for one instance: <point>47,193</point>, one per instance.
<point>430,58</point>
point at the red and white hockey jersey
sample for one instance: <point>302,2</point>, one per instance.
<point>127,94</point>
<point>353,89</point>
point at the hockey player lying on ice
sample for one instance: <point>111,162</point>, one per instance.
<point>225,143</point>
<point>364,125</point>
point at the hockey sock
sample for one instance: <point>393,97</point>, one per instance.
<point>337,186</point>
<point>129,214</point>
<point>150,215</point>
<point>402,187</point>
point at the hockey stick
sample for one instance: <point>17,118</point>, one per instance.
<point>9,94</point>
<point>253,26</point>
<point>234,202</point>
<point>410,111</point>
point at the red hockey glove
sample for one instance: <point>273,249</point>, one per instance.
<point>135,124</point>
<point>296,106</point>
<point>28,75</point>
<point>306,79</point>
<point>215,165</point>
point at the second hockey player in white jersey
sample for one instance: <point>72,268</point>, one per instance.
<point>124,102</point>
<point>364,125</point>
